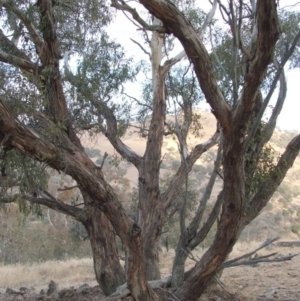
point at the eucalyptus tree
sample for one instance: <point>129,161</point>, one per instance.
<point>35,38</point>
<point>165,92</point>
<point>235,117</point>
<point>42,107</point>
<point>229,68</point>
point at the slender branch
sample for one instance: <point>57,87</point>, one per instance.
<point>9,47</point>
<point>284,60</point>
<point>67,188</point>
<point>125,7</point>
<point>202,233</point>
<point>177,58</point>
<point>208,18</point>
<point>266,37</point>
<point>143,49</point>
<point>27,23</point>
<point>103,160</point>
<point>174,188</point>
<point>276,176</point>
<point>138,102</point>
<point>194,225</point>
<point>176,23</point>
<point>51,203</point>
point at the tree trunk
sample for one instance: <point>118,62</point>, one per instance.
<point>151,258</point>
<point>178,266</point>
<point>151,209</point>
<point>108,270</point>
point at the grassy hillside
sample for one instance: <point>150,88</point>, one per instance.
<point>58,237</point>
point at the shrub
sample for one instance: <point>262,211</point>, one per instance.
<point>92,152</point>
<point>295,229</point>
<point>175,164</point>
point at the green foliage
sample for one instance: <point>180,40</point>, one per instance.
<point>25,173</point>
<point>259,168</point>
<point>200,169</point>
<point>288,191</point>
<point>295,228</point>
<point>34,240</point>
<point>289,26</point>
<point>100,76</point>
<point>175,164</point>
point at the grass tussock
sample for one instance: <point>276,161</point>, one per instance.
<point>69,272</point>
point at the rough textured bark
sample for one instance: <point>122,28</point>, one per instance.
<point>108,270</point>
<point>76,164</point>
<point>151,209</point>
<point>233,124</point>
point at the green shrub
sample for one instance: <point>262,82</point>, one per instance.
<point>175,164</point>
<point>92,152</point>
<point>295,228</point>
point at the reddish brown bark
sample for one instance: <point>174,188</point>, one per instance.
<point>108,270</point>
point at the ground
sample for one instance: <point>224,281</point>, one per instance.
<point>266,281</point>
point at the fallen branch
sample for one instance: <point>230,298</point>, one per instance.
<point>122,291</point>
<point>265,244</point>
<point>259,260</point>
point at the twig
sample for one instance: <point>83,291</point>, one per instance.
<point>168,293</point>
<point>67,188</point>
<point>142,48</point>
<point>223,286</point>
<point>104,157</point>
<point>137,101</point>
<point>190,255</point>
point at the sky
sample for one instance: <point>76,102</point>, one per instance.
<point>122,30</point>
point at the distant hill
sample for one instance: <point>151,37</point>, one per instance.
<point>281,217</point>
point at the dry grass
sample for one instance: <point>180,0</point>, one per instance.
<point>66,273</point>
<point>246,281</point>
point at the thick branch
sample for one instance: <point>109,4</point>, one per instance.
<point>18,62</point>
<point>277,76</point>
<point>75,163</point>
<point>177,58</point>
<point>113,137</point>
<point>176,23</point>
<point>125,7</point>
<point>262,50</point>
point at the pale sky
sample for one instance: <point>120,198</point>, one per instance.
<point>122,30</point>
